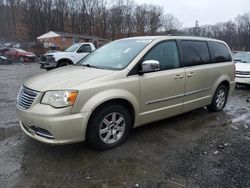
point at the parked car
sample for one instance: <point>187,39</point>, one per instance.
<point>71,55</point>
<point>125,84</point>
<point>16,54</point>
<point>243,70</point>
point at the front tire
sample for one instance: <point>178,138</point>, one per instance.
<point>219,99</point>
<point>108,127</point>
<point>62,64</point>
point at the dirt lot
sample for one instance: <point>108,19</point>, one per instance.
<point>197,149</point>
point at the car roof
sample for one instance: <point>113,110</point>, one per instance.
<point>173,38</point>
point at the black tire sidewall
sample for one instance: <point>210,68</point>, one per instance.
<point>93,136</point>
<point>62,64</point>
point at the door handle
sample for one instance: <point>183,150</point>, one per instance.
<point>191,74</point>
<point>178,76</point>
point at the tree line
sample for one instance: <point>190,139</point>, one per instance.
<point>25,20</point>
<point>235,32</point>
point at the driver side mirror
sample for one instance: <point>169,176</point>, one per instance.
<point>150,66</point>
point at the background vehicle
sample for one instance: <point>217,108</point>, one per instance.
<point>71,55</point>
<point>16,54</point>
<point>243,70</point>
<point>125,84</point>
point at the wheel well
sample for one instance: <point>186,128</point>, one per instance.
<point>122,102</point>
<point>65,60</point>
<point>226,83</point>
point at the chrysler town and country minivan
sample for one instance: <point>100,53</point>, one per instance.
<point>125,84</point>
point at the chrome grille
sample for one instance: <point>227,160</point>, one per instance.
<point>243,72</point>
<point>26,97</point>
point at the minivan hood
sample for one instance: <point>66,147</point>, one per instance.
<point>64,78</point>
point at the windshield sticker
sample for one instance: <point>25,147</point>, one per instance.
<point>119,66</point>
<point>127,50</point>
<point>144,41</point>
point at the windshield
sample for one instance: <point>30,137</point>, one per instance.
<point>240,55</point>
<point>72,48</point>
<point>246,59</point>
<point>116,55</point>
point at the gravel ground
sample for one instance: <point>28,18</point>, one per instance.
<point>196,149</point>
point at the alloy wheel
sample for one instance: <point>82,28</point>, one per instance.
<point>112,128</point>
<point>221,98</point>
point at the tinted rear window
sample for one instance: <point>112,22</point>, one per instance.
<point>195,53</point>
<point>219,52</point>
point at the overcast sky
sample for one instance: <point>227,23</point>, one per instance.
<point>205,11</point>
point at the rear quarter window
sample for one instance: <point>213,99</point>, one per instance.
<point>219,52</point>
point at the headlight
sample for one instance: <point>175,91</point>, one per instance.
<point>59,99</point>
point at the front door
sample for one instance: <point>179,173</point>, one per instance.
<point>81,52</point>
<point>162,92</point>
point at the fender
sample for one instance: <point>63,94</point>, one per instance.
<point>221,79</point>
<point>111,94</point>
<point>63,55</point>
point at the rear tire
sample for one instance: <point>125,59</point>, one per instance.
<point>219,99</point>
<point>108,127</point>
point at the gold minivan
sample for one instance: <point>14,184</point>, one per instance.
<point>125,84</point>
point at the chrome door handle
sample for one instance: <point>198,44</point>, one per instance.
<point>190,74</point>
<point>178,76</point>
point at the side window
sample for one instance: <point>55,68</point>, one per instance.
<point>85,48</point>
<point>167,55</point>
<point>195,53</point>
<point>219,52</point>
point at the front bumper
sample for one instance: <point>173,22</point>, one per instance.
<point>53,126</point>
<point>242,79</point>
<point>47,65</point>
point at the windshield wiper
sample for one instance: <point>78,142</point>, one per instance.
<point>92,66</point>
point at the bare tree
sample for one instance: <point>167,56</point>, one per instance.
<point>243,27</point>
<point>170,24</point>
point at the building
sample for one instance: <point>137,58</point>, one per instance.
<point>63,40</point>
